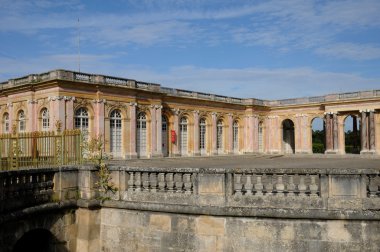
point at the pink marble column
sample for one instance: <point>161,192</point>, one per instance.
<point>246,129</point>
<point>69,113</point>
<point>196,133</point>
<point>159,130</point>
<point>364,131</point>
<point>255,134</point>
<point>32,116</point>
<point>99,118</point>
<point>328,133</point>
<point>214,150</point>
<point>372,135</point>
<point>175,147</point>
<point>57,111</point>
<point>132,136</point>
<point>153,128</point>
<point>335,132</point>
<point>230,149</point>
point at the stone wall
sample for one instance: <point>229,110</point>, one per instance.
<point>127,230</point>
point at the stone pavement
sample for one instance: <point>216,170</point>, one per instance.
<point>259,161</point>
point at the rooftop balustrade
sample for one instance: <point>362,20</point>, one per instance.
<point>108,80</point>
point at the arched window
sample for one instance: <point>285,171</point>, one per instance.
<point>115,132</point>
<point>235,136</point>
<point>21,121</point>
<point>164,128</point>
<point>219,135</point>
<point>202,136</point>
<point>141,134</point>
<point>6,123</point>
<point>183,135</point>
<point>81,121</point>
<point>45,119</point>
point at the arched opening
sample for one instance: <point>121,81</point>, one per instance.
<point>219,137</point>
<point>288,145</point>
<point>45,119</point>
<point>183,136</point>
<point>40,240</point>
<point>115,132</point>
<point>6,123</point>
<point>81,121</point>
<point>235,137</point>
<point>21,121</point>
<point>261,134</point>
<point>352,127</point>
<point>318,135</point>
<point>165,149</point>
<point>202,136</point>
<point>141,135</point>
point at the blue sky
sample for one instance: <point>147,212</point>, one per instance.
<point>261,49</point>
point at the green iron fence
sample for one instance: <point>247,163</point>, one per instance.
<point>40,149</point>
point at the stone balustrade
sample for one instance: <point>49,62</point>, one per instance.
<point>297,192</point>
<point>24,188</point>
<point>108,80</point>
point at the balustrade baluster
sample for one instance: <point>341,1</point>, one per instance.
<point>248,184</point>
<point>131,182</point>
<point>169,182</point>
<point>280,185</point>
<point>138,182</point>
<point>145,181</point>
<point>302,186</point>
<point>187,183</point>
<point>373,187</point>
<point>161,182</point>
<point>314,189</point>
<point>259,185</point>
<point>291,187</point>
<point>153,182</point>
<point>269,186</point>
<point>178,182</point>
<point>237,184</point>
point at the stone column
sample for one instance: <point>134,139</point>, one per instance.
<point>159,130</point>
<point>57,110</point>
<point>214,150</point>
<point>175,148</point>
<point>372,135</point>
<point>196,133</point>
<point>255,134</point>
<point>69,113</point>
<point>335,131</point>
<point>153,130</point>
<point>132,127</point>
<point>230,138</point>
<point>328,133</point>
<point>99,118</point>
<point>363,131</point>
<point>32,116</point>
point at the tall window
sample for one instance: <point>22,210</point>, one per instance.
<point>202,135</point>
<point>183,135</point>
<point>21,121</point>
<point>141,134</point>
<point>164,136</point>
<point>6,123</point>
<point>81,121</point>
<point>261,146</point>
<point>115,132</point>
<point>219,135</point>
<point>45,119</point>
<point>235,135</point>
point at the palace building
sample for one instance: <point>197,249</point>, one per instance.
<point>139,119</point>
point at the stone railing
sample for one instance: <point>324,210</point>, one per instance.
<point>24,188</point>
<point>108,80</point>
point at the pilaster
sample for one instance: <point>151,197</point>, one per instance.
<point>132,132</point>
<point>230,149</point>
<point>196,133</point>
<point>214,150</point>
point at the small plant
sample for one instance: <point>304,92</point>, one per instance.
<point>93,152</point>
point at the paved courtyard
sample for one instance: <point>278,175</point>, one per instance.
<point>258,161</point>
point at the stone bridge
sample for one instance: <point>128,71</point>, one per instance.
<point>252,203</point>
